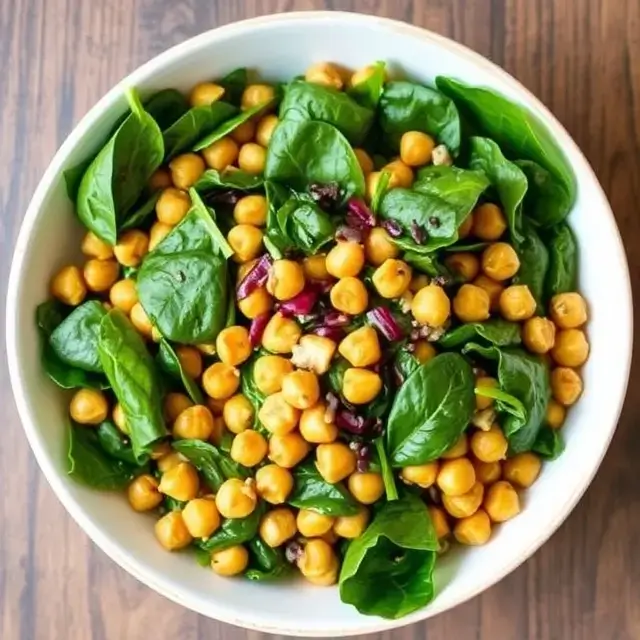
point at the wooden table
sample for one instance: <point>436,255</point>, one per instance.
<point>581,57</point>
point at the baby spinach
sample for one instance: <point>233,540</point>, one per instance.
<point>234,84</point>
<point>425,262</point>
<point>504,401</point>
<point>302,153</point>
<point>115,443</point>
<point>549,443</point>
<point>397,550</point>
<point>390,488</point>
<point>382,187</point>
<point>141,212</point>
<point>336,373</point>
<point>267,563</point>
<point>407,106</point>
<point>534,263</point>
<point>118,174</point>
<point>170,363</point>
<point>131,371</point>
<point>311,491</point>
<point>562,275</point>
<point>212,180</point>
<point>368,92</point>
<point>405,363</point>
<point>501,333</point>
<point>166,106</point>
<point>431,410</point>
<point>234,531</point>
<point>305,101</point>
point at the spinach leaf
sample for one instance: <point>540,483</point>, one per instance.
<point>171,504</point>
<point>397,550</point>
<point>407,106</point>
<point>166,106</point>
<point>549,443</point>
<point>431,410</point>
<point>131,371</point>
<point>472,247</point>
<point>425,262</point>
<point>305,101</point>
<point>75,339</point>
<point>234,84</point>
<point>250,389</point>
<point>368,92</point>
<point>518,132</point>
<point>212,179</point>
<point>534,263</point>
<point>306,152</point>
<point>405,363</point>
<point>562,275</point>
<point>311,491</point>
<point>267,563</point>
<point>114,443</point>
<point>73,177</point>
<point>501,333</point>
<point>390,488</point>
<point>506,177</point>
<point>118,174</point>
<point>170,363</point>
<point>381,188</point>
<point>234,531</point>
<point>141,212</point>
<point>505,401</point>
<point>335,375</point>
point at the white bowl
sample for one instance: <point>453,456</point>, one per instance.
<point>281,47</point>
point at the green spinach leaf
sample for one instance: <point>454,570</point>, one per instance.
<point>234,84</point>
<point>234,531</point>
<point>505,401</point>
<point>381,188</point>
<point>267,563</point>
<point>501,333</point>
<point>368,92</point>
<point>170,363</point>
<point>562,275</point>
<point>114,443</point>
<point>534,263</point>
<point>212,180</point>
<point>549,443</point>
<point>166,106</point>
<point>390,488</point>
<point>141,212</point>
<point>405,363</point>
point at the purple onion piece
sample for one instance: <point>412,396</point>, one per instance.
<point>418,233</point>
<point>326,195</point>
<point>334,333</point>
<point>383,320</point>
<point>393,228</point>
<point>363,458</point>
<point>361,213</point>
<point>350,422</point>
<point>332,407</point>
<point>336,319</point>
<point>258,325</point>
<point>256,278</point>
<point>300,305</point>
<point>324,286</point>
<point>293,551</point>
<point>348,234</point>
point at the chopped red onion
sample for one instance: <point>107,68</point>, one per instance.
<point>334,333</point>
<point>360,214</point>
<point>418,233</point>
<point>258,325</point>
<point>348,234</point>
<point>293,551</point>
<point>336,319</point>
<point>324,286</point>
<point>300,305</point>
<point>257,277</point>
<point>393,228</point>
<point>350,422</point>
<point>383,320</point>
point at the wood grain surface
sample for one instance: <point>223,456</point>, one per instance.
<point>581,57</point>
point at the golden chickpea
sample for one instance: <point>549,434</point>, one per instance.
<point>236,498</point>
<point>119,418</point>
<point>256,303</point>
<point>265,128</point>
<point>331,537</point>
<point>169,461</point>
<point>317,559</point>
<point>366,487</point>
<point>205,93</point>
<point>68,286</point>
<point>571,348</point>
<point>422,475</point>
<point>314,353</point>
<point>474,530</point>
<point>439,521</point>
<point>301,389</point>
<point>172,532</point>
<point>278,526</point>
<point>364,160</point>
<point>158,232</point>
<point>93,247</point>
<point>471,303</point>
<point>465,265</point>
<point>220,380</point>
<point>522,470</point>
<point>326,579</point>
<point>335,461</point>
<point>277,415</point>
<point>539,335</point>
<point>465,505</point>
<point>502,502</point>
<point>566,385</point>
<point>140,320</point>
<point>281,334</point>
<point>401,174</point>
<point>172,206</point>
<point>269,372</point>
<point>233,345</point>
<point>371,182</point>
<point>312,524</point>
<point>349,295</point>
<point>500,261</point>
<point>123,295</point>
<point>345,260</point>
<point>186,169</point>
<point>221,153</point>
<point>288,450</point>
<point>489,446</point>
<point>256,94</point>
<point>424,351</point>
<point>190,360</point>
<point>361,347</point>
<point>238,413</point>
<point>219,431</point>
<point>286,279</point>
<point>555,415</point>
<point>174,405</point>
<point>482,402</point>
<point>131,247</point>
<point>517,303</point>
<point>251,210</point>
<point>252,158</point>
<point>244,132</point>
<point>464,230</point>
<point>459,449</point>
<point>489,222</point>
<point>568,310</point>
<point>246,242</point>
<point>143,493</point>
<point>360,386</point>
<point>216,406</point>
<point>493,289</point>
<point>431,306</point>
<point>230,561</point>
<point>487,472</point>
<point>314,426</point>
<point>194,423</point>
<point>89,406</point>
<point>160,179</point>
<point>391,279</point>
<point>201,517</point>
<point>416,148</point>
<point>326,74</point>
<point>379,247</point>
<point>274,483</point>
<point>249,448</point>
<point>456,477</point>
<point>100,275</point>
<point>315,267</point>
<point>180,482</point>
<point>351,527</point>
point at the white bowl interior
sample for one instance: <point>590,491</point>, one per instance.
<point>279,48</point>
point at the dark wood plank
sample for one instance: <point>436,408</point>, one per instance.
<point>60,56</point>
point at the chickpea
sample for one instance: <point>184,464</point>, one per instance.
<point>568,310</point>
<point>244,132</point>
<point>331,537</point>
<point>335,461</point>
<point>256,94</point>
<point>379,247</point>
<point>278,526</point>
<point>93,247</point>
<point>422,475</point>
<point>219,431</point>
<point>301,389</point>
<point>216,406</point>
<point>233,345</point>
<point>351,527</point>
<point>317,559</point>
<point>326,74</point>
<point>366,487</point>
<point>315,267</point>
<point>364,160</point>
<point>465,505</point>
<point>349,295</point>
<point>174,405</point>
<point>251,210</point>
<point>483,402</point>
<point>236,498</point>
<point>68,286</point>
<point>489,222</point>
<point>172,532</point>
<point>456,477</point>
<point>439,521</point>
<point>371,181</point>
<point>100,275</point>
<point>517,303</point>
<point>205,93</point>
<point>143,493</point>
<point>88,406</point>
<point>180,482</point>
<point>252,158</point>
<point>186,169</point>
<point>119,418</point>
<point>220,380</point>
<point>464,230</point>
<point>556,414</point>
<point>238,413</point>
<point>160,179</point>
<point>314,353</point>
<point>489,446</point>
<point>502,502</point>
<point>500,261</point>
<point>431,306</point>
<point>274,483</point>
<point>172,206</point>
<point>221,153</point>
<point>256,303</point>
<point>201,517</point>
<point>457,450</point>
<point>487,472</point>
<point>286,279</point>
<point>246,242</point>
<point>288,450</point>
<point>465,265</point>
<point>123,295</point>
<point>190,360</point>
<point>169,461</point>
<point>474,530</point>
<point>312,524</point>
<point>277,415</point>
<point>361,347</point>
<point>230,561</point>
<point>401,174</point>
<point>249,448</point>
<point>269,372</point>
<point>571,348</point>
<point>314,426</point>
<point>471,303</point>
<point>265,128</point>
<point>131,247</point>
<point>391,279</point>
<point>416,148</point>
<point>522,470</point>
<point>281,334</point>
<point>345,260</point>
<point>158,232</point>
<point>194,423</point>
<point>360,386</point>
<point>566,385</point>
<point>539,335</point>
<point>493,289</point>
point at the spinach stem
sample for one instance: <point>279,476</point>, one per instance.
<point>387,472</point>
